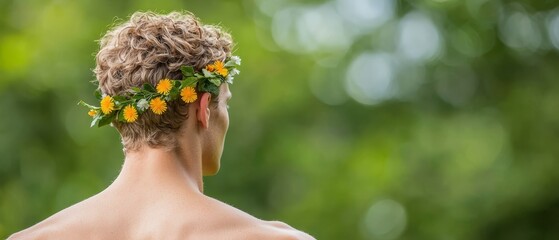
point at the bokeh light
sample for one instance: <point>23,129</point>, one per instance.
<point>352,119</point>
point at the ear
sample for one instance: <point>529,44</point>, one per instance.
<point>203,114</point>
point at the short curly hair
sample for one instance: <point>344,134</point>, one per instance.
<point>149,47</point>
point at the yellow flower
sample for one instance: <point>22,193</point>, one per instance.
<point>92,113</point>
<point>107,105</point>
<point>130,114</point>
<point>158,106</point>
<point>164,86</point>
<point>188,94</point>
<point>220,68</point>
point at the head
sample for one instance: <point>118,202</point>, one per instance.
<point>150,47</point>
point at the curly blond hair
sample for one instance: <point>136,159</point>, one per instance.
<point>149,47</point>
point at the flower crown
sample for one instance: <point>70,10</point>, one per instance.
<point>135,101</point>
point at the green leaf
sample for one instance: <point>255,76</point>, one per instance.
<point>107,119</point>
<point>124,103</point>
<point>215,81</point>
<point>206,86</point>
<point>146,93</point>
<point>82,103</point>
<point>120,98</point>
<point>176,84</point>
<point>187,71</point>
<point>136,89</point>
<point>207,73</point>
<point>98,95</point>
<point>138,96</point>
<point>95,120</point>
<point>174,93</point>
<point>189,81</point>
<point>120,116</point>
<point>148,87</point>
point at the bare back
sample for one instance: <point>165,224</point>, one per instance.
<point>198,218</point>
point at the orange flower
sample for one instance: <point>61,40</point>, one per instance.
<point>130,114</point>
<point>164,86</point>
<point>220,68</point>
<point>210,68</point>
<point>92,113</point>
<point>107,105</point>
<point>158,106</point>
<point>188,94</point>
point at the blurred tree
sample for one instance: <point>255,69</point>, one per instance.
<point>352,119</point>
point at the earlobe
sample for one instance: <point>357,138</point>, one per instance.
<point>203,114</point>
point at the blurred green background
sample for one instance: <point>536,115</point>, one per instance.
<point>352,119</point>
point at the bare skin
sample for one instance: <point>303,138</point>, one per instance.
<point>159,193</point>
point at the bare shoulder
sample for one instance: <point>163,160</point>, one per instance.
<point>25,234</point>
<point>50,228</point>
<point>263,230</point>
<point>236,224</point>
<point>279,230</point>
<point>57,226</point>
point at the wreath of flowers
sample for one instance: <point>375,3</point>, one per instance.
<point>135,101</point>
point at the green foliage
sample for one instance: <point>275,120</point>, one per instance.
<point>458,143</point>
